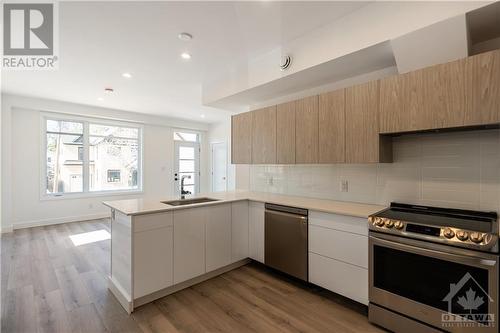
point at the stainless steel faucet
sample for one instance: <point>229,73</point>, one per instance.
<point>183,192</point>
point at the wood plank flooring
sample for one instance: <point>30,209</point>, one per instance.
<point>50,285</point>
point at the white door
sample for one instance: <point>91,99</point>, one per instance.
<point>187,165</point>
<point>219,167</point>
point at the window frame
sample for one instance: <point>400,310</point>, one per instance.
<point>86,121</point>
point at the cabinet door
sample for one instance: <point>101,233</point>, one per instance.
<point>256,231</point>
<point>394,116</point>
<point>153,260</point>
<point>285,133</point>
<point>306,130</point>
<point>218,236</point>
<point>483,89</point>
<point>241,138</point>
<point>264,136</point>
<point>444,99</point>
<point>189,243</point>
<point>332,127</point>
<point>239,230</point>
<point>363,144</point>
<point>430,98</point>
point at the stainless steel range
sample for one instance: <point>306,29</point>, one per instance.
<point>433,269</point>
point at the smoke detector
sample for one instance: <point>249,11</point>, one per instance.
<point>285,62</point>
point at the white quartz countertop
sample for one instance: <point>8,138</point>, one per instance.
<point>153,205</point>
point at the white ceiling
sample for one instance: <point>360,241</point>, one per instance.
<point>101,40</point>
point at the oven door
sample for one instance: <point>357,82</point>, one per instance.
<point>449,288</point>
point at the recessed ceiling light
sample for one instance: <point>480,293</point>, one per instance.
<point>100,99</point>
<point>185,36</point>
<point>127,75</point>
<point>185,56</point>
<point>202,116</point>
<point>109,90</point>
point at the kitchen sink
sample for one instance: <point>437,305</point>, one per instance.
<point>183,202</point>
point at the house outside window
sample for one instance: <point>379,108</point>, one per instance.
<point>114,176</point>
<point>90,156</point>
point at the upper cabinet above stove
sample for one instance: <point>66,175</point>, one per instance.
<point>457,94</point>
<point>355,124</point>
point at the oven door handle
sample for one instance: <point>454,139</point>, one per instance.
<point>476,261</point>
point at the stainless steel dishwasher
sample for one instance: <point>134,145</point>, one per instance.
<point>286,244</point>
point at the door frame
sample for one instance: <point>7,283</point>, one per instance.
<point>197,171</point>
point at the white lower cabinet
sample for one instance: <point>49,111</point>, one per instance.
<point>153,257</point>
<point>338,254</point>
<point>218,236</point>
<point>256,231</point>
<point>239,230</point>
<point>342,278</point>
<point>189,243</point>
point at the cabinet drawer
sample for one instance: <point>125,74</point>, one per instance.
<point>153,221</point>
<point>344,279</point>
<point>350,224</point>
<point>340,245</point>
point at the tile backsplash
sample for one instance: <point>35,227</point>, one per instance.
<point>458,169</point>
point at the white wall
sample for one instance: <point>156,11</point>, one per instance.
<point>21,162</point>
<point>460,170</point>
<point>217,133</point>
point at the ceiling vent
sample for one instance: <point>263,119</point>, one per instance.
<point>285,62</point>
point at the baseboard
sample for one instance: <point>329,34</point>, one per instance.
<point>121,295</point>
<point>5,230</point>
<point>67,219</point>
<point>186,284</point>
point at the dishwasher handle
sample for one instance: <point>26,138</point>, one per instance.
<point>286,209</point>
<point>294,216</point>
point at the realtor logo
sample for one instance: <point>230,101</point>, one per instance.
<point>468,304</point>
<point>29,35</point>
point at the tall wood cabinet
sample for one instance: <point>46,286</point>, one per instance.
<point>264,136</point>
<point>241,138</point>
<point>331,129</point>
<point>363,143</point>
<point>483,89</point>
<point>285,133</point>
<point>306,130</point>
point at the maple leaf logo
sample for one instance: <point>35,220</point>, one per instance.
<point>470,301</point>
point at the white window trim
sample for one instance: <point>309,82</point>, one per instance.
<point>44,196</point>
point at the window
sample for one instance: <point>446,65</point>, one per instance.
<point>186,136</point>
<point>114,176</point>
<point>86,156</point>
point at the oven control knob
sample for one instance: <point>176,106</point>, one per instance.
<point>476,237</point>
<point>379,222</point>
<point>448,233</point>
<point>398,225</point>
<point>389,223</point>
<point>462,235</point>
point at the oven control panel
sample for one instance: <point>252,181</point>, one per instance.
<point>449,235</point>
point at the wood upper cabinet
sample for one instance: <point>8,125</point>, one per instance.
<point>363,143</point>
<point>483,89</point>
<point>429,98</point>
<point>306,130</point>
<point>285,133</point>
<point>264,136</point>
<point>241,138</point>
<point>331,130</point>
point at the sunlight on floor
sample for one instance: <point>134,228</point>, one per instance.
<point>90,237</point>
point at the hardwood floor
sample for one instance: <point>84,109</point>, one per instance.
<point>50,285</point>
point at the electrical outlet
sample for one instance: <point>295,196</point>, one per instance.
<point>344,186</point>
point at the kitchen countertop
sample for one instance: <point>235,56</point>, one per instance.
<point>150,205</point>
